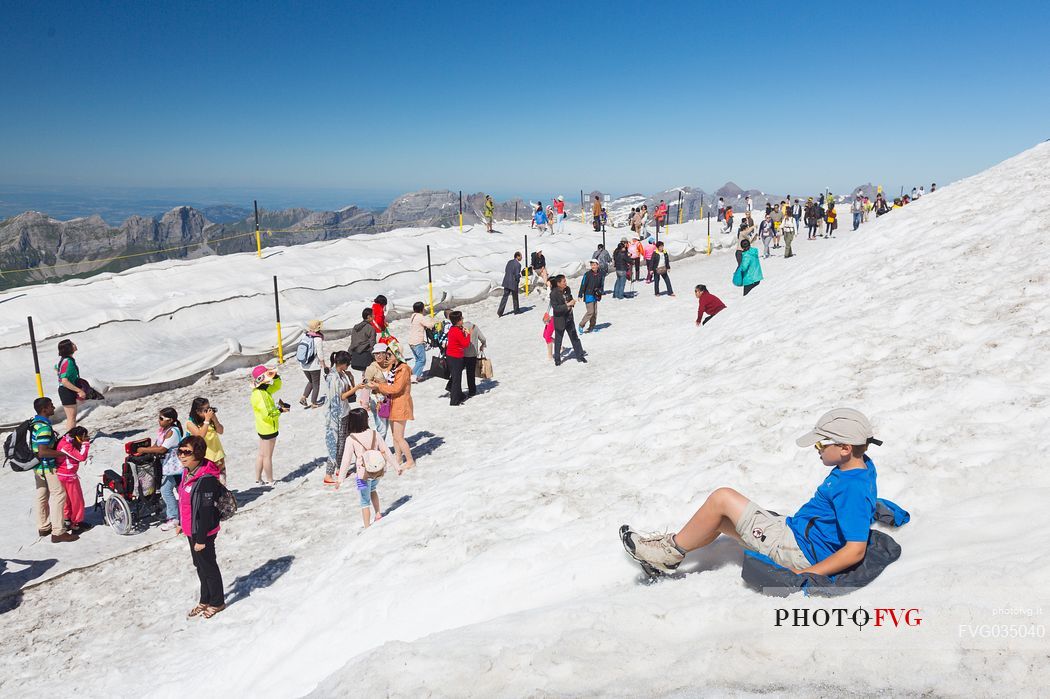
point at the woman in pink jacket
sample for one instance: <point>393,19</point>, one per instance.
<point>199,521</point>
<point>649,247</point>
<point>72,451</point>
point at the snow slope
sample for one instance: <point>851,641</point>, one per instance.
<point>217,313</point>
<point>499,573</point>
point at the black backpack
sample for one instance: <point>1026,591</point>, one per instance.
<point>18,448</point>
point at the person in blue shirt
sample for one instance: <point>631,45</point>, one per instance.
<point>591,293</point>
<point>539,219</point>
<point>826,536</point>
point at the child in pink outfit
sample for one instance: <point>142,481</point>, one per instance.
<point>548,337</point>
<point>72,451</point>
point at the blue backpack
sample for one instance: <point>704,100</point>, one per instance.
<point>305,351</point>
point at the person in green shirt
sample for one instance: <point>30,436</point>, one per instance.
<point>68,376</point>
<point>267,419</point>
<point>490,210</point>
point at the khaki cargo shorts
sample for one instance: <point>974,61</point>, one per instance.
<point>768,534</point>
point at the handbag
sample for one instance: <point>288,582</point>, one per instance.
<point>90,393</point>
<point>384,410</point>
<point>483,369</point>
<point>439,368</point>
<point>547,315</point>
<point>226,503</point>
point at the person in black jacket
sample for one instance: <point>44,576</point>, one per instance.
<point>539,265</point>
<point>510,283</point>
<point>362,339</point>
<point>661,264</point>
<point>199,492</point>
<point>621,262</point>
<point>591,293</point>
<point>561,308</point>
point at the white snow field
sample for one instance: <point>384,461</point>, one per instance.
<point>217,313</point>
<point>500,573</point>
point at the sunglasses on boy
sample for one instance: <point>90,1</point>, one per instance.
<point>821,446</point>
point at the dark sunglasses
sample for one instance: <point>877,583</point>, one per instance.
<point>184,452</point>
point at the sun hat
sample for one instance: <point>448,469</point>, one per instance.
<point>560,198</point>
<point>840,426</point>
<point>313,325</point>
<point>380,348</point>
<point>593,262</point>
<point>261,373</point>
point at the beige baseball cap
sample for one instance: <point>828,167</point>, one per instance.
<point>840,426</point>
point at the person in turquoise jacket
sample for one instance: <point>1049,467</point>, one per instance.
<point>267,417</point>
<point>749,273</point>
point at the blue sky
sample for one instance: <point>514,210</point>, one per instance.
<point>517,98</point>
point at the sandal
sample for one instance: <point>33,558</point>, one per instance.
<point>197,610</point>
<point>209,612</point>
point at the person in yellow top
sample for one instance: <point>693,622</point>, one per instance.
<point>204,423</point>
<point>267,418</point>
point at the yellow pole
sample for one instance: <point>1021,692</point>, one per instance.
<point>36,358</point>
<point>277,314</point>
<point>527,265</point>
<point>430,284</point>
<point>460,221</point>
<point>258,239</point>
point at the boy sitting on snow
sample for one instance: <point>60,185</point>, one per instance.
<point>826,536</point>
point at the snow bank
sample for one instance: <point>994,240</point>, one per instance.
<point>166,324</point>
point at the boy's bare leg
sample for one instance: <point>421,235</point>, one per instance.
<point>718,515</point>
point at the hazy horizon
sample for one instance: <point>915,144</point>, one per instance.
<point>400,97</point>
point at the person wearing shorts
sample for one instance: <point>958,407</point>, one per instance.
<point>767,533</point>
<point>69,390</point>
<point>826,536</point>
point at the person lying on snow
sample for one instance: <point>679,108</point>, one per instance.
<point>826,536</point>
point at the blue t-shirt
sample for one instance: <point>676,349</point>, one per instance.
<point>842,510</point>
<point>540,218</point>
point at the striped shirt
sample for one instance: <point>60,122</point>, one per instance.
<point>42,434</point>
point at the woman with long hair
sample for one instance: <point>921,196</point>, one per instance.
<point>169,435</point>
<point>203,422</point>
<point>68,377</point>
<point>340,384</point>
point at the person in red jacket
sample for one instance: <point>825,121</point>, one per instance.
<point>709,304</point>
<point>379,314</point>
<point>660,215</point>
<point>458,341</point>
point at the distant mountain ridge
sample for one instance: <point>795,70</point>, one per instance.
<point>37,248</point>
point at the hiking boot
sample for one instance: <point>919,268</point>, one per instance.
<point>658,550</point>
<point>62,538</point>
